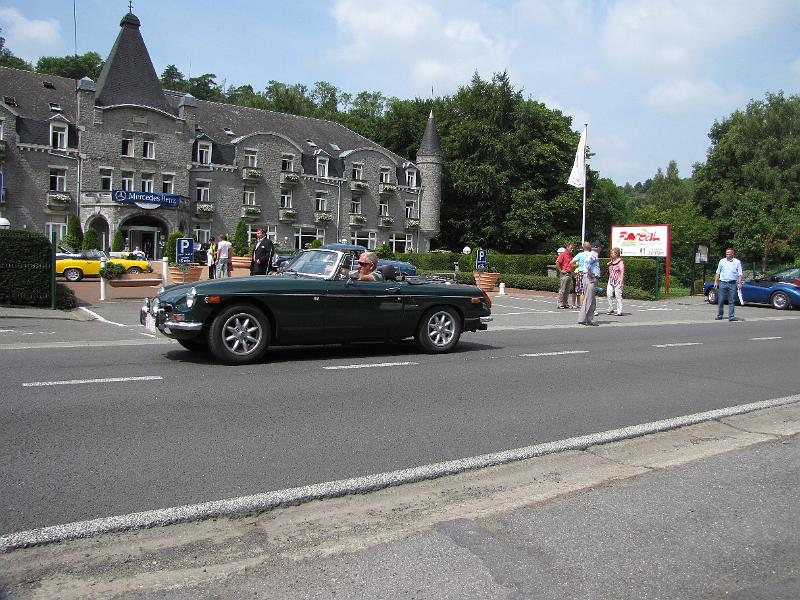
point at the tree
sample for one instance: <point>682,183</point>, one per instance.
<point>205,87</point>
<point>118,241</point>
<point>72,66</point>
<point>90,240</point>
<point>7,58</point>
<point>240,239</point>
<point>173,79</point>
<point>74,237</point>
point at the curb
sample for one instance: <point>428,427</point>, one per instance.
<point>238,507</point>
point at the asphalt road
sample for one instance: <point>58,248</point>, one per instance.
<point>191,430</point>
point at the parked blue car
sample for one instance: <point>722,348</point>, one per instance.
<point>401,266</point>
<point>780,289</point>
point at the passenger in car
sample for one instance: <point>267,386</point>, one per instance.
<point>367,263</point>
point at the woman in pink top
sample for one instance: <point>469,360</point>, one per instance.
<point>616,277</point>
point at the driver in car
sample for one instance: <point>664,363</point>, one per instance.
<point>367,265</point>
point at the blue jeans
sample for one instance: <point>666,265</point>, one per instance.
<point>727,288</point>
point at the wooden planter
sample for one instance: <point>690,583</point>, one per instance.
<point>135,280</point>
<point>486,281</point>
<point>241,262</point>
<point>193,274</point>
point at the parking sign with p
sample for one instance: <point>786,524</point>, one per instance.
<point>184,251</point>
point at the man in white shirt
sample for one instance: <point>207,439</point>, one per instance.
<point>726,280</point>
<point>223,256</point>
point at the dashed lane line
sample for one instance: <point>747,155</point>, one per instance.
<point>101,380</point>
<point>556,353</point>
<point>762,339</point>
<point>371,366</point>
<point>676,345</point>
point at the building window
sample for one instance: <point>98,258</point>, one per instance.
<point>58,180</point>
<point>385,175</point>
<point>106,179</point>
<point>355,206</point>
<point>411,209</point>
<point>287,162</point>
<point>250,158</point>
<point>322,167</point>
<point>272,233</point>
<point>58,135</point>
<point>147,182</point>
<point>127,147</point>
<point>321,199</point>
<point>203,191</point>
<point>383,208</point>
<point>167,184</point>
<point>286,198</point>
<point>57,229</point>
<point>364,238</point>
<point>2,129</point>
<point>204,153</point>
<point>249,197</point>
<point>127,181</point>
<point>358,171</point>
<point>411,178</point>
<point>203,236</point>
<point>401,242</point>
<point>148,149</point>
<point>303,236</point>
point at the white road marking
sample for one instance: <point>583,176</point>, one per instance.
<point>93,345</point>
<point>102,380</point>
<point>557,353</point>
<point>775,337</point>
<point>101,319</point>
<point>654,309</point>
<point>675,345</point>
<point>6,330</point>
<point>369,366</point>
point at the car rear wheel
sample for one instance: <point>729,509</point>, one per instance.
<point>73,274</point>
<point>239,334</point>
<point>134,270</point>
<point>780,301</point>
<point>439,330</point>
<point>712,296</point>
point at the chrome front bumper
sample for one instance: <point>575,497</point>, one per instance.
<point>488,319</point>
<point>161,322</point>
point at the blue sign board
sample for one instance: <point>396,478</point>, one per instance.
<point>145,199</point>
<point>480,259</point>
<point>184,251</point>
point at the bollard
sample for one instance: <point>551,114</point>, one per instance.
<point>165,270</point>
<point>502,290</point>
<point>102,280</point>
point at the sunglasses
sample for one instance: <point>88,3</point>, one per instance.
<point>364,264</point>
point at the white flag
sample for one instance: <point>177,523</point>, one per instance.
<point>577,177</point>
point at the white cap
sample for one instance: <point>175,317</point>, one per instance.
<point>562,249</point>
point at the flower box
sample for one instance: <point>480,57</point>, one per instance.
<point>287,214</point>
<point>386,222</point>
<point>252,173</point>
<point>323,217</point>
<point>289,178</point>
<point>205,208</point>
<point>412,223</point>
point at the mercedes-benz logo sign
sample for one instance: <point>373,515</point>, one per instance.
<point>119,195</point>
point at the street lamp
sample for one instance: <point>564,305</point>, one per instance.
<point>5,223</point>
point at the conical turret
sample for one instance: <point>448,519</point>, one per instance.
<point>429,163</point>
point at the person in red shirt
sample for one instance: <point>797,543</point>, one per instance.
<point>564,266</point>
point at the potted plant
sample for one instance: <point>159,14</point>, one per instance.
<point>180,273</point>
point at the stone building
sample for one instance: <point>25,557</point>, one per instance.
<point>126,155</point>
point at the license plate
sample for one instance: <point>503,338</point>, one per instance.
<point>150,323</point>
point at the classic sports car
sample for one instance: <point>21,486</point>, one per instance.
<point>74,266</point>
<point>317,300</point>
<point>401,266</point>
<point>780,289</point>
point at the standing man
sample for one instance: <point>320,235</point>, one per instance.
<point>579,268</point>
<point>223,257</point>
<point>590,278</point>
<point>726,280</point>
<point>564,266</point>
<point>262,254</point>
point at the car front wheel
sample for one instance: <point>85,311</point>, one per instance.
<point>134,270</point>
<point>712,296</point>
<point>73,274</point>
<point>239,334</point>
<point>780,301</point>
<point>439,330</point>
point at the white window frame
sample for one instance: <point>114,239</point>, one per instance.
<point>126,181</point>
<point>321,200</point>
<point>411,178</point>
<point>287,163</point>
<point>129,141</point>
<point>271,232</point>
<point>2,129</point>
<point>286,198</point>
<point>368,239</point>
<point>203,236</point>
<point>60,229</point>
<point>412,210</point>
<point>58,136</point>
<point>250,158</point>
<point>146,183</point>
<point>355,206</point>
<point>358,171</point>
<point>383,208</point>
<point>301,233</point>
<point>202,191</point>
<point>407,240</point>
<point>58,179</point>
<point>322,166</point>
<point>167,183</point>
<point>249,195</point>
<point>204,153</point>
<point>107,174</point>
<point>385,175</point>
<point>149,149</point>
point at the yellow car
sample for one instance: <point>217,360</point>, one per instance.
<point>74,266</point>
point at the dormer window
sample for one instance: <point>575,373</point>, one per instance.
<point>49,85</point>
<point>9,100</point>
<point>204,153</point>
<point>322,166</point>
<point>311,143</point>
<point>227,130</point>
<point>55,106</point>
<point>287,163</point>
<point>411,178</point>
<point>58,135</point>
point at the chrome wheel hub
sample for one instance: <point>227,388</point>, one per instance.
<point>441,329</point>
<point>241,333</point>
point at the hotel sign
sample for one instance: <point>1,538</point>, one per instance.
<point>146,200</point>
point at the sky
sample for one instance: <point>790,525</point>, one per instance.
<point>650,77</point>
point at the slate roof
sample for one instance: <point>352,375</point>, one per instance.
<point>33,98</point>
<point>430,145</point>
<point>128,76</point>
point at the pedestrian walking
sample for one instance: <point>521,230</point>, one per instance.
<point>616,277</point>
<point>727,281</point>
<point>579,268</point>
<point>567,284</point>
<point>590,279</point>
<point>223,257</point>
<point>211,258</point>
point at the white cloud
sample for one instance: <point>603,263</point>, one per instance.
<point>680,94</point>
<point>30,38</point>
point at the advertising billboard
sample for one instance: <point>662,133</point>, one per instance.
<point>641,240</point>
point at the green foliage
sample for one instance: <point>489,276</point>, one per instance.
<point>111,270</point>
<point>384,251</point>
<point>26,268</point>
<point>240,242</point>
<point>90,240</point>
<point>7,58</point>
<point>118,241</point>
<point>74,236</point>
<point>169,248</point>
<point>65,297</point>
<point>315,243</point>
<point>71,66</point>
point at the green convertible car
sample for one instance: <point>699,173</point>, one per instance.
<point>315,301</point>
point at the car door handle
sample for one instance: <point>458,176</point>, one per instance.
<point>392,290</point>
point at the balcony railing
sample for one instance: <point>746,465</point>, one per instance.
<point>204,210</point>
<point>252,173</point>
<point>289,178</point>
<point>323,216</point>
<point>412,223</point>
<point>287,214</point>
<point>358,186</point>
<point>251,211</point>
<point>58,200</point>
<point>386,188</point>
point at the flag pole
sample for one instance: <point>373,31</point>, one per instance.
<point>583,217</point>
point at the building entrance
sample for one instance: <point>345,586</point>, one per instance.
<point>147,234</point>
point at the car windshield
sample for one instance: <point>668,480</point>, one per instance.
<point>317,263</point>
<point>788,274</point>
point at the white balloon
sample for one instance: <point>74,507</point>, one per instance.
<point>466,250</point>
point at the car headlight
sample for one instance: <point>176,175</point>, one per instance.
<point>160,291</point>
<point>190,297</point>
